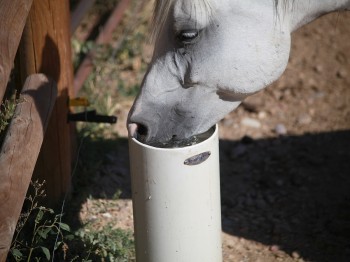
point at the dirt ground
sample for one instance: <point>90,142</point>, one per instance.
<point>284,156</point>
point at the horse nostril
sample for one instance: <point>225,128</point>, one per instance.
<point>141,133</point>
<point>142,130</point>
<point>137,130</point>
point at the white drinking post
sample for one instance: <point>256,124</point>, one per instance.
<point>176,201</point>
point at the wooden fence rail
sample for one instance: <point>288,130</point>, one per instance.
<point>104,37</point>
<point>20,151</point>
<point>13,16</point>
<point>79,12</point>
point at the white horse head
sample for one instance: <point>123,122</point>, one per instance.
<point>211,54</point>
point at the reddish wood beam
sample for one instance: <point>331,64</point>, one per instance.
<point>20,151</point>
<point>79,12</point>
<point>104,37</point>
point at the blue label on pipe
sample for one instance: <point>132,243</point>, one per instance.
<point>197,159</point>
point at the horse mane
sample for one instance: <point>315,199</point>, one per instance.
<point>162,9</point>
<point>285,4</point>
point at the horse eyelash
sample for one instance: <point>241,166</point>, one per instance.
<point>191,34</point>
<point>187,36</point>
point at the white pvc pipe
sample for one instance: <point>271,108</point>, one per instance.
<point>176,202</point>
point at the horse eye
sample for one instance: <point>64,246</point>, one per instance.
<point>187,36</point>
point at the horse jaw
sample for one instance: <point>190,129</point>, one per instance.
<point>167,110</point>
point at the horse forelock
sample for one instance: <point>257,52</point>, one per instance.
<point>285,4</point>
<point>162,9</point>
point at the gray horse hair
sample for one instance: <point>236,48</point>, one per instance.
<point>163,7</point>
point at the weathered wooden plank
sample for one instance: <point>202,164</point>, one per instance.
<point>20,151</point>
<point>105,36</point>
<point>45,48</point>
<point>13,15</point>
<point>79,12</point>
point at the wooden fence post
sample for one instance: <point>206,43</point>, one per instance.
<point>45,48</point>
<point>20,150</point>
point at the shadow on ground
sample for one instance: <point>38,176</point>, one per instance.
<point>292,192</point>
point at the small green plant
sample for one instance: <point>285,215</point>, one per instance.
<point>41,236</point>
<point>109,244</point>
<point>38,230</point>
<point>7,109</point>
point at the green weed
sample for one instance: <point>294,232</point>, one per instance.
<point>109,244</point>
<point>41,235</point>
<point>7,109</point>
<point>39,232</point>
